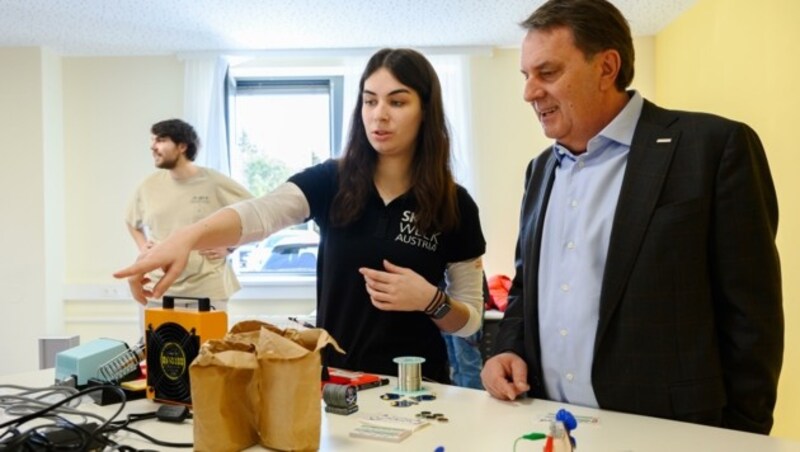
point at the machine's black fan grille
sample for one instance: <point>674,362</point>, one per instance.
<point>170,351</point>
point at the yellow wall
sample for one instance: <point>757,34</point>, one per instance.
<point>739,59</point>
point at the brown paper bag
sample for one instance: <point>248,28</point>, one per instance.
<point>280,401</point>
<point>289,379</point>
<point>224,386</point>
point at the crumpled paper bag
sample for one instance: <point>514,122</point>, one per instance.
<point>259,385</point>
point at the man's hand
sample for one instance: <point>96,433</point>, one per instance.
<point>505,376</point>
<point>170,255</point>
<point>397,288</point>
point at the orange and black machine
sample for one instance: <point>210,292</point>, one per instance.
<point>172,339</point>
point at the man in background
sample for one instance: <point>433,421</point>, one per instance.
<point>648,280</point>
<point>178,194</point>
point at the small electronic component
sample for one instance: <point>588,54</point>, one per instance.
<point>560,439</point>
<point>402,403</point>
<point>360,380</point>
<point>380,433</point>
<point>433,416</point>
<point>340,399</point>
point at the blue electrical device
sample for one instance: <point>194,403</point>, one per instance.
<point>83,361</point>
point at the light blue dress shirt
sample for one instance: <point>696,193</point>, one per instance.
<point>577,229</point>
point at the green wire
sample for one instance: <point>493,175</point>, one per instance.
<point>534,436</point>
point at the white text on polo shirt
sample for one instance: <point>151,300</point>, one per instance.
<point>411,235</point>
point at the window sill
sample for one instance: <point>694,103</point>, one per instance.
<point>277,287</point>
<point>254,287</point>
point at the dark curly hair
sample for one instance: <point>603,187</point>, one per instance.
<point>180,132</point>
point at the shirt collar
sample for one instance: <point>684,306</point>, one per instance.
<point>619,130</point>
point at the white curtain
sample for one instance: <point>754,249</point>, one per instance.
<point>204,108</point>
<point>453,71</point>
<point>353,68</point>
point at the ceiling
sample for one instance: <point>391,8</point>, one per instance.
<point>148,27</point>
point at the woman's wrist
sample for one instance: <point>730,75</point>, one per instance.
<point>435,305</point>
<point>193,235</point>
<point>440,308</point>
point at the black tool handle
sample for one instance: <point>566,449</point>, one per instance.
<point>203,304</point>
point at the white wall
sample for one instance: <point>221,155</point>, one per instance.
<point>109,106</point>
<point>26,100</point>
<point>506,136</point>
<point>53,185</point>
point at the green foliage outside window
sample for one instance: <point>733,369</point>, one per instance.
<point>262,172</point>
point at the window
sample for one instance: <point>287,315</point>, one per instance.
<point>279,126</point>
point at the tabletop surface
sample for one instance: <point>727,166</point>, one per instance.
<point>475,422</point>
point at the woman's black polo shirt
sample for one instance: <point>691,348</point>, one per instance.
<point>373,338</point>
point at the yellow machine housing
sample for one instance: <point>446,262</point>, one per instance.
<point>173,338</point>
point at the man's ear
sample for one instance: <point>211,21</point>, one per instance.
<point>609,63</point>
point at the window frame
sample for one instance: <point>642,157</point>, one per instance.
<point>285,79</point>
<point>335,84</point>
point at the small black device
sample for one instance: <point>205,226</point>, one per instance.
<point>172,413</point>
<point>442,309</point>
<point>340,399</point>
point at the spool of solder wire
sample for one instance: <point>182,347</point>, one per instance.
<point>409,373</point>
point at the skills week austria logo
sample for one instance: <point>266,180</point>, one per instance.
<point>411,235</point>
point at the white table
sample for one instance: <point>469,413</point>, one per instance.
<point>477,423</point>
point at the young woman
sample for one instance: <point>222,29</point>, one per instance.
<point>393,225</point>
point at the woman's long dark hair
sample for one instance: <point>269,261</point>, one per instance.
<point>432,183</point>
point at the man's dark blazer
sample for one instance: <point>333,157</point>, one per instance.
<point>691,318</point>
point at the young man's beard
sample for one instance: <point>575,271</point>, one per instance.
<point>167,164</point>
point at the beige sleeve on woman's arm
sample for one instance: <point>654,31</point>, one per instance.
<point>285,206</point>
<point>465,285</point>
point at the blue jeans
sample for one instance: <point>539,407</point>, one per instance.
<point>465,359</point>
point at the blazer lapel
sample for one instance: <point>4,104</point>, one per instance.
<point>539,186</point>
<point>652,149</point>
<point>537,194</point>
